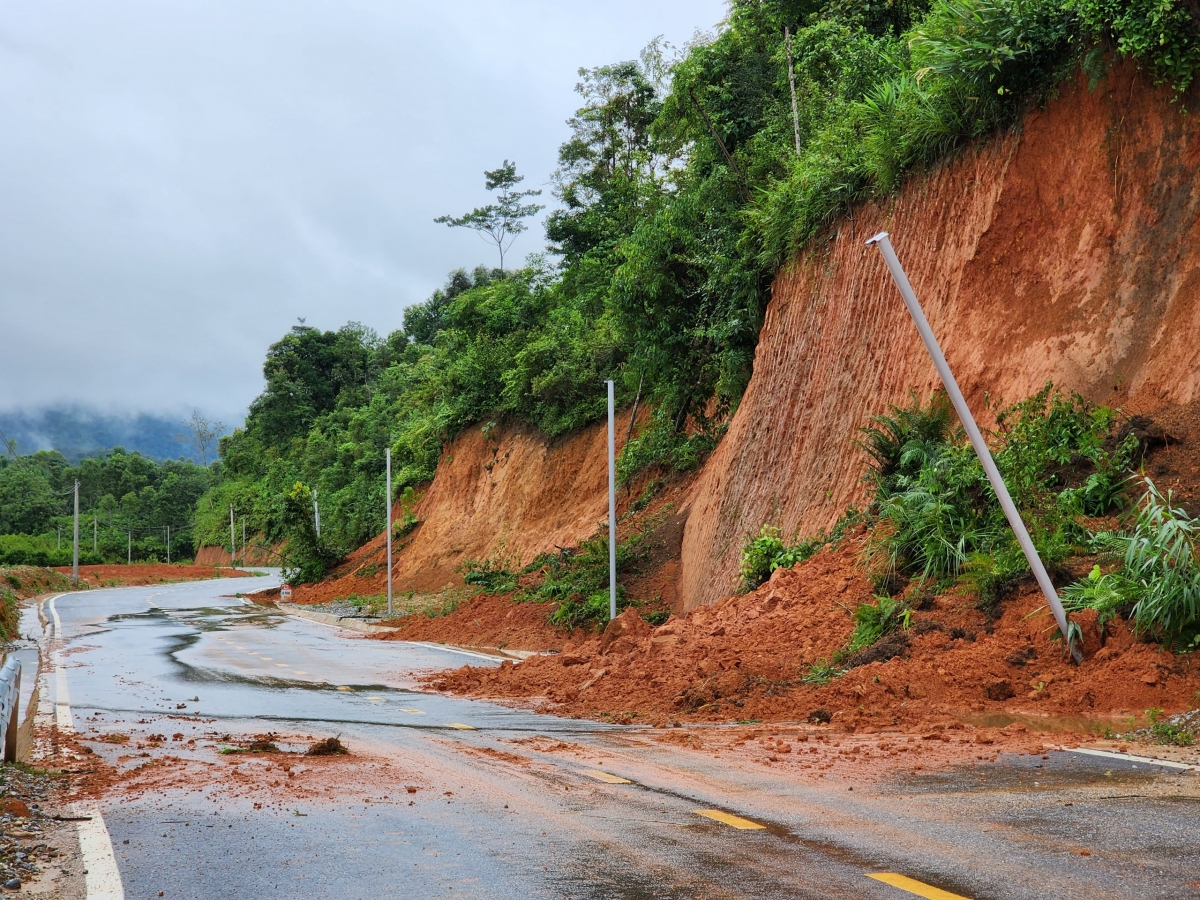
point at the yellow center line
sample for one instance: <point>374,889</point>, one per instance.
<point>265,658</point>
<point>415,712</point>
<point>342,687</point>
<point>375,699</point>
<point>727,819</point>
<point>299,671</point>
<point>606,777</point>
<point>282,666</point>
<point>912,886</point>
<point>461,727</point>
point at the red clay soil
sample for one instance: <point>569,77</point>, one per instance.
<point>1066,250</point>
<point>744,658</point>
<point>256,553</point>
<point>148,573</point>
<point>485,620</point>
<point>653,583</point>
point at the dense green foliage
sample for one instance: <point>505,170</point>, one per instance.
<point>574,581</point>
<point>763,554</point>
<point>130,498</point>
<point>686,182</point>
<point>938,515</point>
<point>1157,586</point>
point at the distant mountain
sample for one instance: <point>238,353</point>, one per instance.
<point>77,432</point>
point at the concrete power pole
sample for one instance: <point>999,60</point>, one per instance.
<point>243,540</point>
<point>95,534</point>
<point>387,501</point>
<point>316,513</point>
<point>612,505</point>
<point>232,545</point>
<point>168,545</point>
<point>883,243</point>
<point>129,559</point>
<point>75,550</point>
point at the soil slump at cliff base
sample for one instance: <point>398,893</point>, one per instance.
<point>751,658</point>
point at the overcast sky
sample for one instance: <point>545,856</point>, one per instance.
<point>180,181</point>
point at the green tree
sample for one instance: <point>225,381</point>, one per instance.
<point>502,221</point>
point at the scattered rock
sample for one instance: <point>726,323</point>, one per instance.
<point>999,690</point>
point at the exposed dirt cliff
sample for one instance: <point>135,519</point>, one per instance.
<point>505,494</point>
<point>1065,251</point>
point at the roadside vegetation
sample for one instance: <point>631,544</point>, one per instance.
<point>131,499</point>
<point>934,524</point>
<point>691,175</point>
<point>574,581</point>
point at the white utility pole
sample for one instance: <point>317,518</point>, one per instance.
<point>387,453</point>
<point>612,504</point>
<point>981,449</point>
<point>243,541</point>
<point>316,513</point>
<point>787,40</point>
<point>129,559</point>
<point>75,548</point>
<point>232,544</point>
<point>168,545</point>
<point>95,534</point>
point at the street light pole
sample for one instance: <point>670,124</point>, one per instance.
<point>981,449</point>
<point>75,547</point>
<point>387,453</point>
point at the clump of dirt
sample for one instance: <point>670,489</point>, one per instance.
<point>263,743</point>
<point>330,746</point>
<point>752,658</point>
<point>147,573</point>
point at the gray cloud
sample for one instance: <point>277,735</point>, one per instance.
<point>179,181</point>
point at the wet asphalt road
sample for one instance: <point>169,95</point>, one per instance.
<point>524,820</point>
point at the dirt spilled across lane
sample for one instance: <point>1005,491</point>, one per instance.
<point>759,657</point>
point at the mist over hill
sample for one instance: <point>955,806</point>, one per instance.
<point>77,432</point>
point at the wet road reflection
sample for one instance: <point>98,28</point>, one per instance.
<point>509,803</point>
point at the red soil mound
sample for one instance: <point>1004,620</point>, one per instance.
<point>745,657</point>
<point>157,573</point>
<point>485,620</point>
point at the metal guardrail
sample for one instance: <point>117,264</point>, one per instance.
<point>10,700</point>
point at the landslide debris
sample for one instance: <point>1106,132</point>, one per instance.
<point>765,656</point>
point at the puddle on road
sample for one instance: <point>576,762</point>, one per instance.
<point>1050,724</point>
<point>1012,773</point>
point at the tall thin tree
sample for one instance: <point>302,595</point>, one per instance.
<point>502,221</point>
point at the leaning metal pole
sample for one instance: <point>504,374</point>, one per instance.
<point>985,457</point>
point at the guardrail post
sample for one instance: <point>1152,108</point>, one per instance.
<point>10,702</point>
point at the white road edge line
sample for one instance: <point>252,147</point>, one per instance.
<point>432,646</point>
<point>1128,757</point>
<point>103,878</point>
